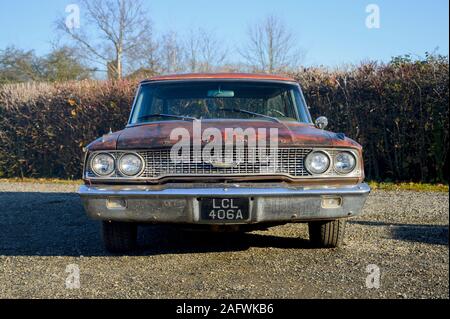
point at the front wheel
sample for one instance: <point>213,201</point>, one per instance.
<point>327,234</point>
<point>119,237</point>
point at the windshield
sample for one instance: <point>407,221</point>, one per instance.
<point>219,100</point>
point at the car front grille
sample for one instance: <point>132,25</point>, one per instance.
<point>158,164</point>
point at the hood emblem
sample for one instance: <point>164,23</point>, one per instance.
<point>219,164</point>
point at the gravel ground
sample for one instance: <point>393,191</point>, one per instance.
<point>43,229</point>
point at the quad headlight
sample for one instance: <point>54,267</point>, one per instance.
<point>317,162</point>
<point>102,164</point>
<point>130,164</point>
<point>344,162</point>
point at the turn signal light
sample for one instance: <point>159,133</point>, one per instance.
<point>116,203</point>
<point>331,202</point>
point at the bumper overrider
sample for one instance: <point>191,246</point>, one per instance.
<point>181,203</point>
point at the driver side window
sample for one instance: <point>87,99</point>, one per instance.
<point>276,106</point>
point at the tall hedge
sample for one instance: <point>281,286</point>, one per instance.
<point>397,111</point>
<point>43,127</point>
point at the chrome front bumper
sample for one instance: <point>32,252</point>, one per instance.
<point>179,203</point>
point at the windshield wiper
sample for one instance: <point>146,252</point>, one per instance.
<point>181,117</point>
<point>274,119</point>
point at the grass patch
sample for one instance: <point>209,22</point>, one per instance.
<point>418,187</point>
<point>41,181</point>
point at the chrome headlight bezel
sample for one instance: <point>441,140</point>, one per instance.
<point>95,171</point>
<point>138,172</point>
<point>308,159</point>
<point>348,171</point>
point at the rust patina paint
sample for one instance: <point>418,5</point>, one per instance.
<point>157,134</point>
<point>105,143</point>
<point>220,76</point>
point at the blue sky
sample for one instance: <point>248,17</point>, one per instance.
<point>332,32</point>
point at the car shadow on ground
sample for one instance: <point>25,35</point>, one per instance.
<point>55,224</point>
<point>156,240</point>
<point>427,234</point>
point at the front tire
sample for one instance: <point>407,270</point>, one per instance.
<point>119,237</point>
<point>327,234</point>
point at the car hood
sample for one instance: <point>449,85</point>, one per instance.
<point>157,134</point>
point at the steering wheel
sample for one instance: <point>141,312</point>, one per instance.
<point>278,112</point>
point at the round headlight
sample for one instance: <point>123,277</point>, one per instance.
<point>344,162</point>
<point>102,164</point>
<point>317,162</point>
<point>130,164</point>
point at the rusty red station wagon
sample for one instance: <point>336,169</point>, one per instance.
<point>223,152</point>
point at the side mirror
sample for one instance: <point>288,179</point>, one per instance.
<point>321,122</point>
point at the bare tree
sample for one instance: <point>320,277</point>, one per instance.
<point>171,54</point>
<point>271,46</point>
<point>123,30</point>
<point>192,47</point>
<point>204,53</point>
<point>235,67</point>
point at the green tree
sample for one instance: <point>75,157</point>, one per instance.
<point>18,65</point>
<point>62,64</point>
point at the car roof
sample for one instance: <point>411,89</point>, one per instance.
<point>220,76</point>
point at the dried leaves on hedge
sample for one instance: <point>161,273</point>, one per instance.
<point>397,111</point>
<point>43,127</point>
